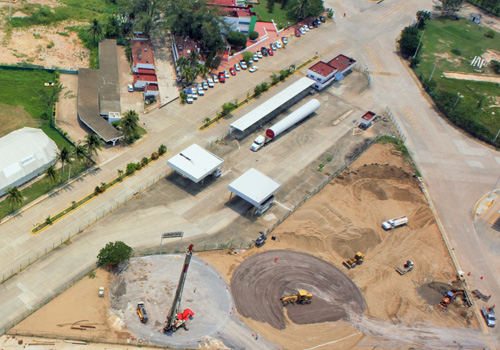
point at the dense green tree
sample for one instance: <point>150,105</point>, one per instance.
<point>300,9</point>
<point>448,7</point>
<point>247,56</point>
<point>422,17</point>
<point>408,42</point>
<point>114,253</point>
<point>253,35</point>
<point>495,65</point>
<point>270,6</point>
<point>14,197</point>
<point>129,125</point>
<point>237,39</point>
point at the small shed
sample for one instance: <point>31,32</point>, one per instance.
<point>367,119</point>
<point>255,188</point>
<point>196,163</point>
<point>475,17</point>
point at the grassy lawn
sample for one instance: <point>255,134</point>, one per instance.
<point>41,187</point>
<point>279,16</point>
<point>451,45</point>
<point>69,10</point>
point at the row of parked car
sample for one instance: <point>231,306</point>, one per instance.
<point>200,88</point>
<point>306,27</point>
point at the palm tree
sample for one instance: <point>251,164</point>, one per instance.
<point>92,143</point>
<point>14,197</point>
<point>202,70</point>
<point>182,62</point>
<point>299,10</point>
<point>188,75</point>
<point>80,151</point>
<point>193,58</point>
<point>64,156</point>
<point>95,31</point>
<point>51,173</point>
<point>128,124</point>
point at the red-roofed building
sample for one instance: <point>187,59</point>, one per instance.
<point>143,66</point>
<point>236,15</point>
<point>324,73</point>
<point>367,119</point>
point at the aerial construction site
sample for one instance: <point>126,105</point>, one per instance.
<point>329,275</point>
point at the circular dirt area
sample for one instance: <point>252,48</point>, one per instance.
<point>153,280</point>
<point>261,281</point>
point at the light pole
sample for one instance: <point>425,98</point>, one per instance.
<point>458,98</point>
<point>419,42</point>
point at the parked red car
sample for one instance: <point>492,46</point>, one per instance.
<point>232,71</point>
<point>297,33</point>
<point>222,77</point>
<point>270,52</point>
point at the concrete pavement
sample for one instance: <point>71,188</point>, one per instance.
<point>456,170</point>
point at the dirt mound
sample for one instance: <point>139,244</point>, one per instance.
<point>260,282</point>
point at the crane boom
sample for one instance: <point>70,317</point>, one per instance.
<point>172,318</point>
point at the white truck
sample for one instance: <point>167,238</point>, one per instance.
<point>259,142</point>
<point>489,316</point>
<point>393,223</point>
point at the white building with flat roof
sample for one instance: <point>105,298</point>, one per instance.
<point>196,163</point>
<point>25,155</point>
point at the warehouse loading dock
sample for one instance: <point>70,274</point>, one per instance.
<point>196,163</point>
<point>255,188</point>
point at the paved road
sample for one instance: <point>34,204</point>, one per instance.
<point>456,170</point>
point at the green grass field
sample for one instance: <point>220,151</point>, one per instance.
<point>279,16</point>
<point>451,45</point>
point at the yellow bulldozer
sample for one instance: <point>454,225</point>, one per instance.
<point>301,297</point>
<point>357,260</point>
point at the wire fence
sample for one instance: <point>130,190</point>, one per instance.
<point>390,115</point>
<point>323,184</point>
<point>366,74</point>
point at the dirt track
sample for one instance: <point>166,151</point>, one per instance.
<point>259,283</point>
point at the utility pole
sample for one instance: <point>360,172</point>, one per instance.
<point>433,69</point>
<point>419,42</point>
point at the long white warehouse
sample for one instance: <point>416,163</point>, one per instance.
<point>292,119</point>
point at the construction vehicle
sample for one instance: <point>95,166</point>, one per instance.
<point>301,297</point>
<point>141,311</point>
<point>393,223</point>
<point>407,267</point>
<point>357,260</point>
<point>176,318</point>
<point>450,296</point>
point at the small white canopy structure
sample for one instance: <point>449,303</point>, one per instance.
<point>25,153</point>
<point>255,188</point>
<point>196,163</point>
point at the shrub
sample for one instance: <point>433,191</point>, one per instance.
<point>154,156</point>
<point>456,52</point>
<point>264,86</point>
<point>496,66</point>
<point>49,220</point>
<point>489,34</point>
<point>253,35</point>
<point>144,161</point>
<point>162,150</point>
<point>257,90</point>
<point>138,166</point>
<point>238,39</point>
<point>131,167</point>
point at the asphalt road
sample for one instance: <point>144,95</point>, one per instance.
<point>456,170</point>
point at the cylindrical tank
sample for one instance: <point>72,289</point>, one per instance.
<point>292,119</point>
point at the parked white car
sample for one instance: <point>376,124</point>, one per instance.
<point>259,55</point>
<point>216,80</point>
<point>303,31</point>
<point>210,82</point>
<point>237,67</point>
<point>253,69</point>
<point>201,92</point>
<point>205,85</point>
<point>255,58</point>
<point>278,44</point>
<point>243,65</point>
<point>226,74</point>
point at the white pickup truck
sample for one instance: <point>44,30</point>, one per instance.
<point>489,316</point>
<point>393,223</point>
<point>259,142</point>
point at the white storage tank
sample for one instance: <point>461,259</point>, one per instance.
<point>292,119</point>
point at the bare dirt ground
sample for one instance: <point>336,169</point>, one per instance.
<point>341,219</point>
<point>345,217</point>
<point>262,280</point>
<point>474,77</point>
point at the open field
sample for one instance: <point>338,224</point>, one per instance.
<point>278,15</point>
<point>449,46</point>
<point>341,219</point>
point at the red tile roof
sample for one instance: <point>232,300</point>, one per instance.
<point>144,77</point>
<point>146,71</point>
<point>142,52</point>
<point>368,116</point>
<point>151,87</point>
<point>322,69</point>
<point>341,62</point>
<point>222,2</point>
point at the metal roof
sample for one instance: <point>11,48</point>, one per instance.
<point>270,105</point>
<point>195,163</point>
<point>254,187</point>
<point>109,85</point>
<point>88,106</point>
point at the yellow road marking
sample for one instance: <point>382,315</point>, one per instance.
<point>372,58</point>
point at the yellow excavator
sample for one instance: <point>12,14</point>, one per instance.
<point>357,260</point>
<point>301,297</point>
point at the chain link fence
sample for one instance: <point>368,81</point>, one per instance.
<point>366,74</point>
<point>390,115</point>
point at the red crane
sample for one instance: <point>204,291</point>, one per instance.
<point>176,318</point>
